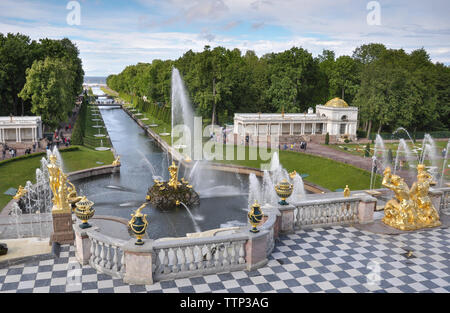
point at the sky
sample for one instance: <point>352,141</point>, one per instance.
<point>112,34</point>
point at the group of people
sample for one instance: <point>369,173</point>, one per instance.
<point>302,145</point>
<point>11,151</point>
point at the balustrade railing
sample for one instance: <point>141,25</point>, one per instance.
<point>326,212</point>
<point>445,201</point>
<point>106,255</point>
<point>185,258</point>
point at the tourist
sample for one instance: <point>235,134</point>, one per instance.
<point>444,152</point>
<point>4,153</point>
<point>305,145</point>
<point>34,147</point>
<point>292,147</point>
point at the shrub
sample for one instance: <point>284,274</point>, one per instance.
<point>367,151</point>
<point>327,139</point>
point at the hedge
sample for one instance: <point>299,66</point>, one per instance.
<point>33,155</point>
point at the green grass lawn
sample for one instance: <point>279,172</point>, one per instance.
<point>321,171</point>
<point>89,139</point>
<point>19,172</point>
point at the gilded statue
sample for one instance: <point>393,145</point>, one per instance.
<point>116,162</point>
<point>20,193</point>
<point>72,196</point>
<point>58,185</point>
<point>173,181</point>
<point>411,208</point>
<point>419,192</point>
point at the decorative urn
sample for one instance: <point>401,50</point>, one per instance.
<point>284,190</point>
<point>84,211</point>
<point>138,224</point>
<point>255,216</point>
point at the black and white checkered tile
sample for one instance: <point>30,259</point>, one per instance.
<point>332,259</point>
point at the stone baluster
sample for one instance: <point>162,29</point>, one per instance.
<point>225,261</point>
<point>242,252</point>
<point>93,245</point>
<point>217,256</point>
<point>183,263</point>
<point>175,261</point>
<point>208,256</point>
<point>234,259</point>
<point>103,255</point>
<point>97,252</point>
<point>199,257</point>
<point>122,263</point>
<point>108,264</point>
<point>115,266</point>
<point>166,261</point>
<point>190,258</point>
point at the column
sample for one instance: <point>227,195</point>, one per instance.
<point>302,129</point>
<point>291,129</point>
<point>313,129</point>
<point>138,263</point>
<point>1,135</point>
<point>20,136</point>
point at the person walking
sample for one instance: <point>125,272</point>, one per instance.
<point>444,152</point>
<point>4,153</point>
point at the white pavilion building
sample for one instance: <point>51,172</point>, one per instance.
<point>20,129</point>
<point>336,117</point>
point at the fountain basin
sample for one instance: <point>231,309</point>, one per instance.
<point>102,149</point>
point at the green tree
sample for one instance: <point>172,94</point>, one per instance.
<point>49,86</point>
<point>344,78</point>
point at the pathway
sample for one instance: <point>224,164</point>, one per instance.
<point>331,259</point>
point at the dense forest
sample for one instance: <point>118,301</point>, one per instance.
<point>391,88</point>
<point>39,77</point>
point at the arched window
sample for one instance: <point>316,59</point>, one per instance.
<point>344,117</point>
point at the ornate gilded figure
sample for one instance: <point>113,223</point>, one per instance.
<point>410,209</point>
<point>20,193</point>
<point>58,184</point>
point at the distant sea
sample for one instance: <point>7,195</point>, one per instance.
<point>94,80</point>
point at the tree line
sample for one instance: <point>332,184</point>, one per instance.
<point>39,77</point>
<point>391,88</point>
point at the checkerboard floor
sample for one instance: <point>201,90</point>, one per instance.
<point>331,259</point>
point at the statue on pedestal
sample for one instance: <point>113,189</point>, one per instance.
<point>411,208</point>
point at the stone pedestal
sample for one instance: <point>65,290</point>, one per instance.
<point>366,208</point>
<point>287,218</point>
<point>138,263</point>
<point>83,244</point>
<point>62,229</point>
<point>255,250</point>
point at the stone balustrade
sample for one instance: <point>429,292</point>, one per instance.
<point>223,250</point>
<point>101,252</point>
<point>156,260</point>
<point>199,256</point>
<point>444,203</point>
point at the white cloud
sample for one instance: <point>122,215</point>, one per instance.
<point>110,40</point>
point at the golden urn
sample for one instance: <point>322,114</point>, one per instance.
<point>284,190</point>
<point>255,216</point>
<point>138,224</point>
<point>84,211</point>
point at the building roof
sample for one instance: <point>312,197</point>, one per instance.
<point>336,103</point>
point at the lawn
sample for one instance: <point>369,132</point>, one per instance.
<point>89,139</point>
<point>18,172</point>
<point>321,171</point>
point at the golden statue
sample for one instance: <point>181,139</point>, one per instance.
<point>346,191</point>
<point>58,185</point>
<point>419,193</point>
<point>72,195</point>
<point>411,209</point>
<point>20,193</point>
<point>116,162</point>
<point>173,181</point>
<point>293,174</point>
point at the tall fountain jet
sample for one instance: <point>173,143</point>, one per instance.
<point>182,112</point>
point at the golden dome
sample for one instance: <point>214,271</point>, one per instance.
<point>336,103</point>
